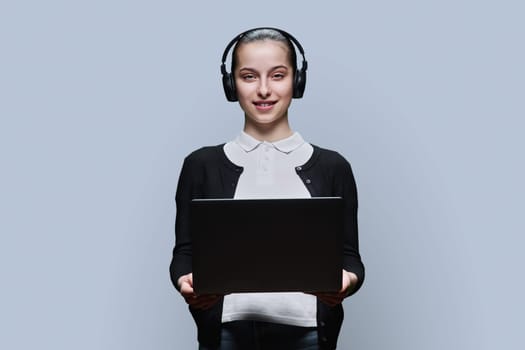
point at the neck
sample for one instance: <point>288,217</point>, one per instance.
<point>268,132</point>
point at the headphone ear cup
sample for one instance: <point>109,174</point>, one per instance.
<point>228,83</point>
<point>299,83</point>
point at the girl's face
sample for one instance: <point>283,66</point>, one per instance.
<point>263,78</point>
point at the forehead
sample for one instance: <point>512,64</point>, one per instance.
<point>263,52</point>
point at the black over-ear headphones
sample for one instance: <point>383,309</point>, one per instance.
<point>228,80</point>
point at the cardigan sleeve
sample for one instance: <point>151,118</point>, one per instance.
<point>181,263</point>
<point>346,186</point>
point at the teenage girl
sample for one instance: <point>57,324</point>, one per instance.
<point>266,160</point>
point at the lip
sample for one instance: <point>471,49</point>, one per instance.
<point>264,105</point>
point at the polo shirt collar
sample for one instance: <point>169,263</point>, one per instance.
<point>287,145</point>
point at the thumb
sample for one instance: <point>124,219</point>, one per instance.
<point>190,279</point>
<point>186,285</point>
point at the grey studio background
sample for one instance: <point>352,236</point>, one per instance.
<point>101,100</point>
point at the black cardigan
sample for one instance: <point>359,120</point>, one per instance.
<point>208,173</point>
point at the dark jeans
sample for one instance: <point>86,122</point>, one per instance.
<point>253,335</point>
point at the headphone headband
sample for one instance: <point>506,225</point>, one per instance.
<point>229,81</point>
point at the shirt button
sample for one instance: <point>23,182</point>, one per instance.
<point>298,168</point>
<point>308,181</point>
<point>322,324</point>
<point>324,339</point>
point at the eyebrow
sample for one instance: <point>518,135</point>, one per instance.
<point>255,70</point>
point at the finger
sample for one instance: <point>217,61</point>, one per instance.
<point>206,298</point>
<point>195,299</point>
<point>321,294</point>
<point>189,280</point>
<point>331,300</point>
<point>331,294</point>
<point>186,289</point>
<point>191,300</point>
<point>330,303</point>
<point>204,303</point>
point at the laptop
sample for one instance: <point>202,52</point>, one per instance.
<point>267,245</point>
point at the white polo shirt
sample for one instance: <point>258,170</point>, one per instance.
<point>269,172</point>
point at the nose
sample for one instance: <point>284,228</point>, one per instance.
<point>263,90</point>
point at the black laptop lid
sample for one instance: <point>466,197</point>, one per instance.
<point>267,245</point>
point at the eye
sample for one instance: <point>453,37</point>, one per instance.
<point>248,76</point>
<point>278,75</point>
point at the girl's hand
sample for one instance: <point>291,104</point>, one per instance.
<point>201,302</point>
<point>335,298</point>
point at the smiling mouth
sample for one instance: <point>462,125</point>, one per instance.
<point>264,104</point>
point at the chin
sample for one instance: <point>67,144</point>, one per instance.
<point>265,120</point>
